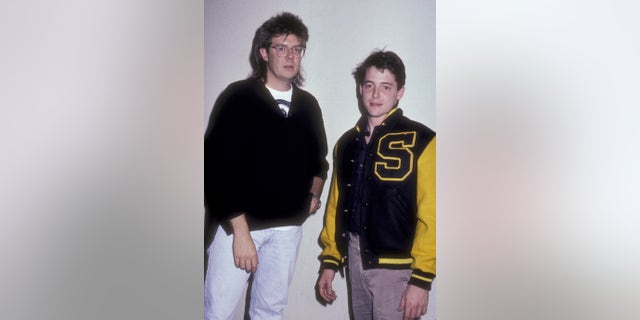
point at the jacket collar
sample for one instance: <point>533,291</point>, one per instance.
<point>392,117</point>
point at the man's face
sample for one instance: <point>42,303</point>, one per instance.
<point>379,92</point>
<point>282,69</point>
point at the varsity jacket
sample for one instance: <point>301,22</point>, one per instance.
<point>397,208</point>
<point>259,162</point>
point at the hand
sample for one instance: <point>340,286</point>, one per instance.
<point>245,255</point>
<point>324,285</point>
<point>414,302</point>
<point>314,205</point>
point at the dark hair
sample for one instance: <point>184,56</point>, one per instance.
<point>382,60</point>
<point>284,23</point>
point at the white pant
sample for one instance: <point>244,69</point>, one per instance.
<point>224,283</point>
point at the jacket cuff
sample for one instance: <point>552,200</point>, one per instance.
<point>330,263</point>
<point>422,279</point>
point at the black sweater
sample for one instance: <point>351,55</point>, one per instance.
<point>258,162</point>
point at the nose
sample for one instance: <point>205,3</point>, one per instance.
<point>376,92</point>
<point>289,54</point>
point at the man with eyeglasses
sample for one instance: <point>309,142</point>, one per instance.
<point>265,166</point>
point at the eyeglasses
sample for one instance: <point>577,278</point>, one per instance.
<point>282,50</point>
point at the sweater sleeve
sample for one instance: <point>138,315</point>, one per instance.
<point>322,165</point>
<point>424,244</point>
<point>225,160</point>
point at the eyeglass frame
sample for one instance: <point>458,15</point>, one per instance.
<point>283,53</point>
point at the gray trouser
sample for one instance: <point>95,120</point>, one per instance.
<point>375,293</point>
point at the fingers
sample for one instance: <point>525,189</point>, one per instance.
<point>415,312</point>
<point>313,208</point>
<point>314,205</point>
<point>403,303</point>
<point>327,293</point>
<point>248,264</point>
<point>325,290</point>
<point>411,314</point>
<point>330,297</point>
<point>412,311</point>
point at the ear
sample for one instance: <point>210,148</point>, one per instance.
<point>400,93</point>
<point>264,54</point>
<point>360,89</point>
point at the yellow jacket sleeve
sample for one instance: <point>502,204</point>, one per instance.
<point>330,256</point>
<point>424,244</point>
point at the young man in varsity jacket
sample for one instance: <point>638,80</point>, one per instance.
<point>380,216</point>
<point>265,167</point>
